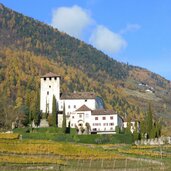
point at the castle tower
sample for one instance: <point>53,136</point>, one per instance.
<point>50,85</point>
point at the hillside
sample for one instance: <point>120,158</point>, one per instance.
<point>29,48</point>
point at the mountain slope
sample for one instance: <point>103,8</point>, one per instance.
<point>124,88</point>
<point>25,33</point>
<point>20,81</point>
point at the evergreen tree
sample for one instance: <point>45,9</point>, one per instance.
<point>68,129</point>
<point>36,110</point>
<point>149,121</point>
<point>64,121</point>
<point>136,133</point>
<point>30,117</point>
<point>54,109</point>
<point>143,127</point>
<point>128,128</point>
<point>46,112</point>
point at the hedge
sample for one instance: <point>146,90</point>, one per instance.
<point>89,139</point>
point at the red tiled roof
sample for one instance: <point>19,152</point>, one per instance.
<point>103,112</point>
<point>79,95</point>
<point>83,108</point>
<point>50,74</point>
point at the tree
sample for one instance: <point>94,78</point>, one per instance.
<point>46,112</point>
<point>143,127</point>
<point>28,106</point>
<point>36,110</point>
<point>54,109</point>
<point>117,129</point>
<point>136,133</point>
<point>68,129</point>
<point>64,120</point>
<point>88,128</point>
<point>149,121</point>
<point>50,120</point>
<point>128,128</point>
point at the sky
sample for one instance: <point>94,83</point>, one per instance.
<point>137,32</point>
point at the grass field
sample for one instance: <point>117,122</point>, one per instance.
<point>51,155</point>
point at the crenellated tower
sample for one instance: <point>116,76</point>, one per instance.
<point>50,85</point>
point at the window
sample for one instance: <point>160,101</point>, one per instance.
<point>104,118</point>
<point>80,116</point>
<point>72,117</point>
<point>50,86</point>
<point>47,92</point>
<point>49,78</point>
<point>55,78</point>
<point>111,124</point>
<point>87,115</point>
<point>68,106</point>
<point>61,107</point>
<point>74,106</point>
<point>44,79</point>
<point>86,100</point>
<point>111,117</point>
<point>96,118</point>
<point>111,128</point>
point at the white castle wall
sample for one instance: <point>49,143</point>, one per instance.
<point>98,123</point>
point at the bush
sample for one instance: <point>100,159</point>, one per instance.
<point>42,130</point>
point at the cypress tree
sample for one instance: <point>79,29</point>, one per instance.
<point>64,121</point>
<point>149,121</point>
<point>46,112</point>
<point>36,110</point>
<point>54,116</point>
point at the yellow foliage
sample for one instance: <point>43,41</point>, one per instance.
<point>62,150</point>
<point>9,136</point>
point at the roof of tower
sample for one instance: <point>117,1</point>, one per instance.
<point>79,95</point>
<point>83,108</point>
<point>50,74</point>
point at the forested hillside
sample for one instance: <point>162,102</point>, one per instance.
<point>20,73</point>
<point>29,49</point>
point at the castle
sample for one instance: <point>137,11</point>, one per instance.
<point>81,108</point>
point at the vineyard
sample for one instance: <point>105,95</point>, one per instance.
<point>16,154</point>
